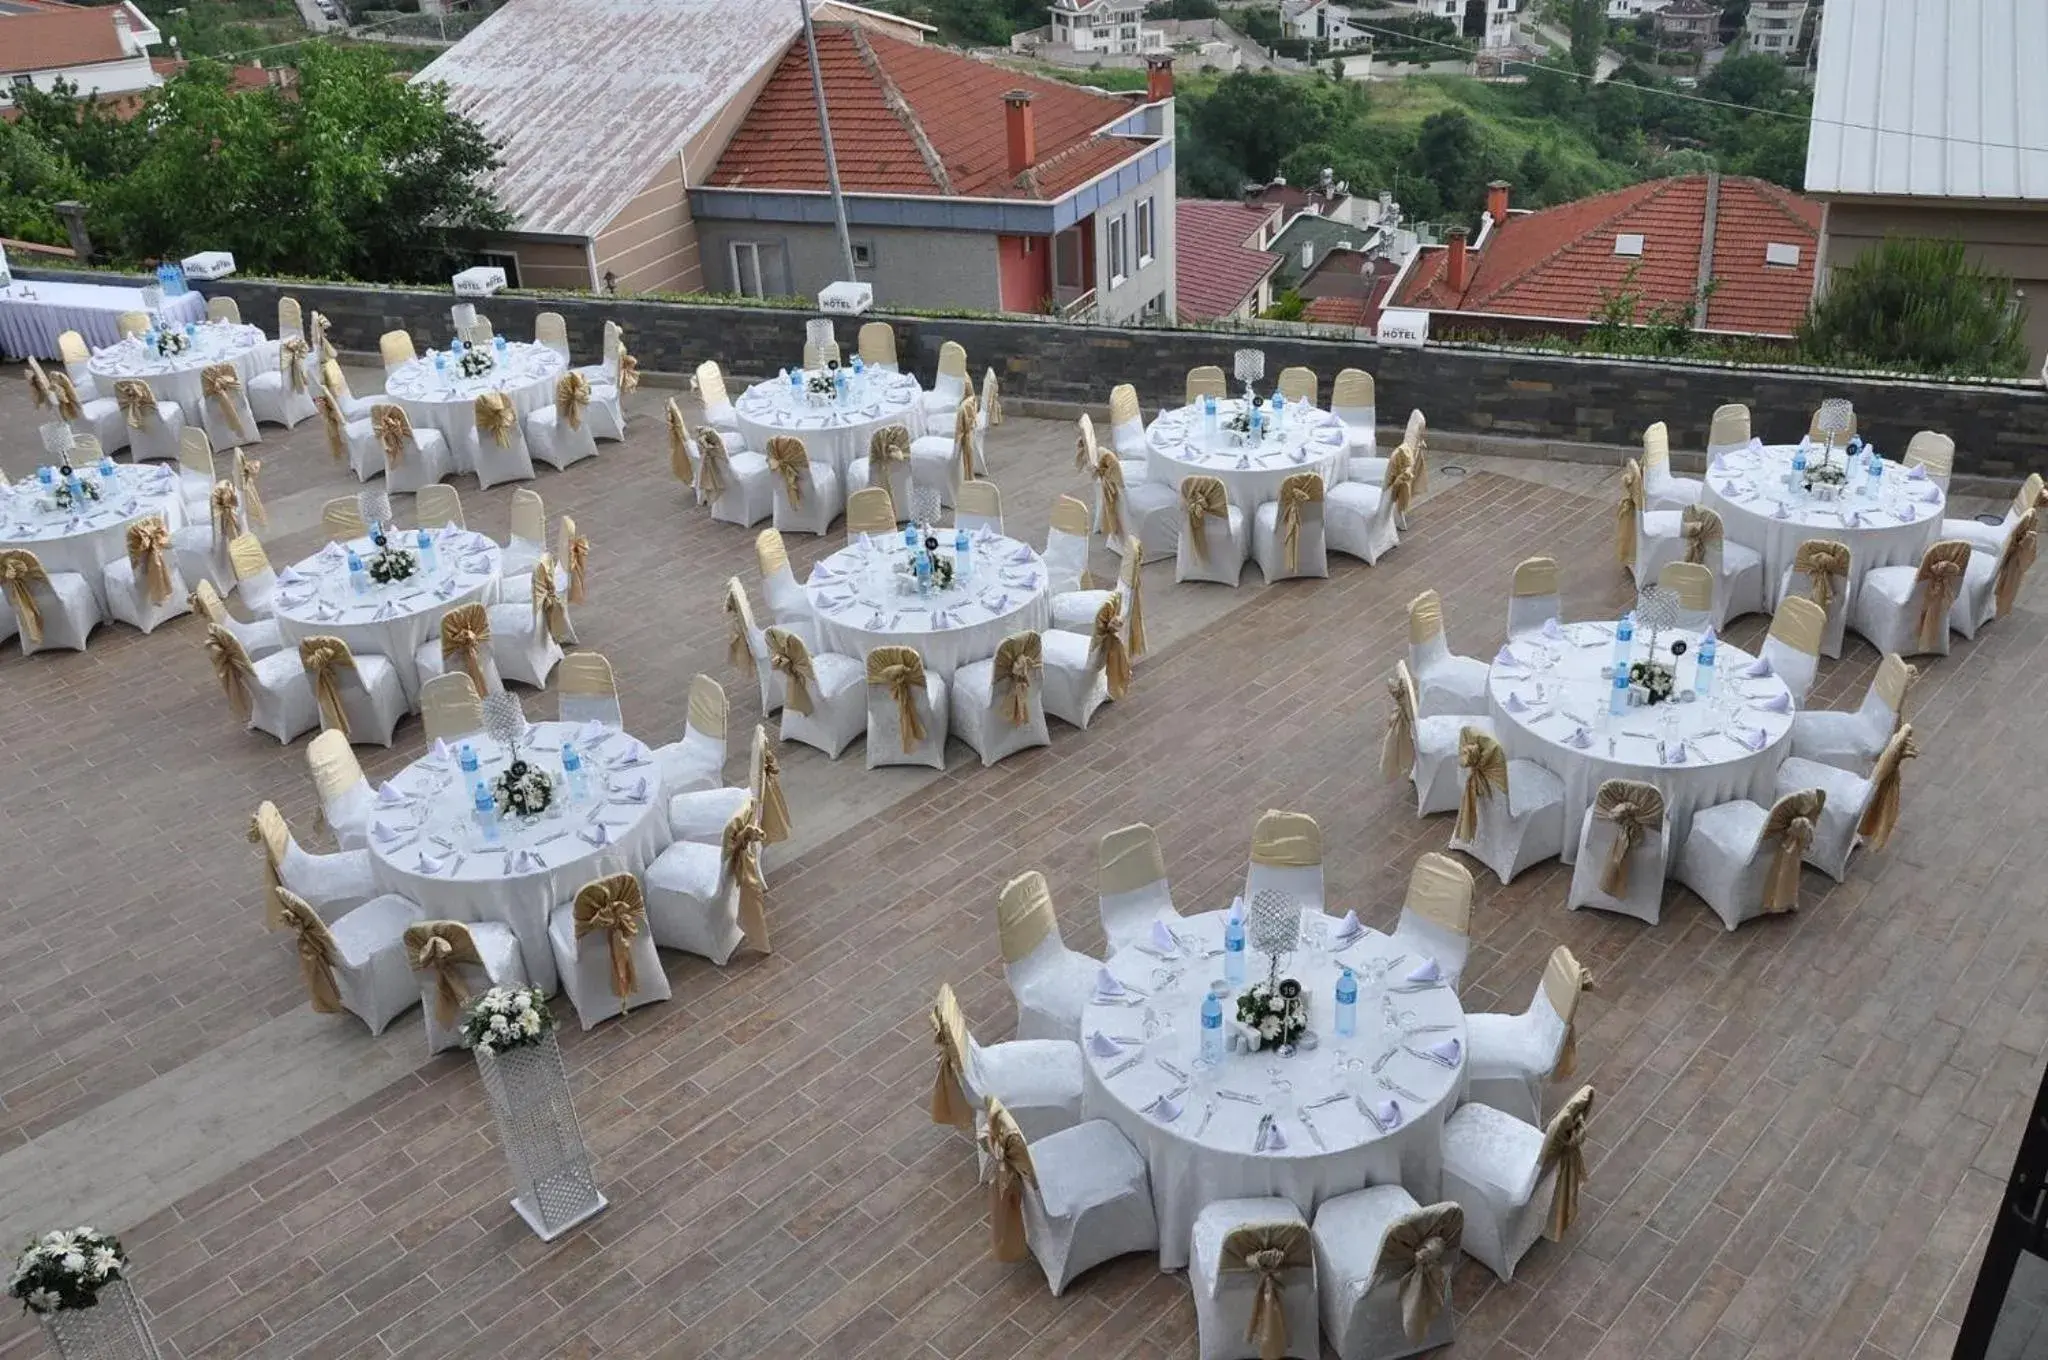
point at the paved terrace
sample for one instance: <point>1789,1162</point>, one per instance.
<point>1803,1126</point>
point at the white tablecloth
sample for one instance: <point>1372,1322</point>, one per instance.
<point>832,434</point>
<point>314,599</point>
<point>34,313</point>
<point>1309,440</point>
<point>87,542</point>
<point>863,603</point>
<point>442,399</point>
<point>1569,692</point>
<point>1890,528</point>
<point>1192,1165</point>
<point>436,855</point>
<point>175,377</point>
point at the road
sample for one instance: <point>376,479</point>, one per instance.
<point>1560,42</point>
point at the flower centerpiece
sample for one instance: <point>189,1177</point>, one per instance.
<point>819,388</point>
<point>927,552</point>
<point>1653,678</point>
<point>524,790</point>
<point>1826,478</point>
<point>506,1018</point>
<point>171,342</point>
<point>72,488</point>
<point>389,565</point>
<point>475,361</point>
<point>1273,1013</point>
<point>66,1270</point>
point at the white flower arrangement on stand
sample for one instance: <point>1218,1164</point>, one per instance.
<point>520,1059</point>
<point>76,1283</point>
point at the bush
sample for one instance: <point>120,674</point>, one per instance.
<point>1921,306</point>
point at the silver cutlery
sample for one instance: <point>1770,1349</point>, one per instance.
<point>1124,1066</point>
<point>1208,1113</point>
<point>1432,1029</point>
<point>1326,1100</point>
<point>1175,1072</point>
<point>1239,1096</point>
<point>1399,1090</point>
<point>1310,1125</point>
<point>1379,1064</point>
<point>1259,1138</point>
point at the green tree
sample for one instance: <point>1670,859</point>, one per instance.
<point>1918,304</point>
<point>1253,119</point>
<point>1182,9</point>
<point>1448,154</point>
<point>32,177</point>
<point>1751,81</point>
<point>1589,30</point>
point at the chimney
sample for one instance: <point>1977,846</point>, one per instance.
<point>124,32</point>
<point>1497,202</point>
<point>1459,273</point>
<point>1023,133</point>
<point>1158,79</point>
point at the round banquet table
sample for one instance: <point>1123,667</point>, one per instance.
<point>1332,1147</point>
<point>87,542</point>
<point>1308,440</point>
<point>1731,743</point>
<point>834,434</point>
<point>175,377</point>
<point>425,843</point>
<point>33,313</point>
<point>314,599</point>
<point>442,399</point>
<point>863,603</point>
<point>1891,528</point>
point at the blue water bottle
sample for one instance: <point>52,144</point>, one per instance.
<point>924,573</point>
<point>47,475</point>
<point>1279,410</point>
<point>963,555</point>
<point>1617,703</point>
<point>910,536</point>
<point>1795,480</point>
<point>486,813</point>
<point>358,578</point>
<point>1212,1028</point>
<point>1347,1004</point>
<point>1209,415</point>
<point>107,470</point>
<point>1703,669</point>
<point>1233,951</point>
<point>1873,465</point>
<point>76,486</point>
<point>1624,641</point>
<point>428,560</point>
<point>465,758</point>
<point>839,385</point>
<point>573,774</point>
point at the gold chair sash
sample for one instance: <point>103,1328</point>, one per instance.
<point>788,460</point>
<point>1202,499</point>
<point>787,654</point>
<point>1109,642</point>
<point>1018,661</point>
<point>1636,810</point>
<point>1822,560</point>
<point>1086,453</point>
<point>1296,492</point>
<point>324,659</point>
<point>1881,813</point>
<point>250,472</point>
<point>572,398</point>
<point>466,641</point>
<point>1791,824</point>
<point>949,1035</point>
<point>614,905</point>
<point>1397,747</point>
<point>1702,530</point>
<point>20,573</point>
<point>679,445</point>
<point>267,829</point>
<point>444,948</point>
<point>1425,618</point>
<point>629,371</point>
<point>291,359</point>
<point>320,341</point>
<point>712,465</point>
<point>1486,775</point>
<point>1627,512</point>
<point>39,390</point>
<point>578,548</point>
<point>2014,562</point>
<point>742,843</point>
<point>1415,438</point>
<point>548,609</point>
<point>1109,481</point>
<point>1265,1250</point>
<point>220,383</point>
<point>775,823</point>
<point>231,667</point>
<point>1565,980</point>
<point>1010,1169</point>
<point>148,542</point>
<point>330,418</point>
<point>737,649</point>
<point>1024,915</point>
<point>965,417</point>
<point>1403,479</point>
<point>136,401</point>
<point>392,429</point>
<point>1418,1251</point>
<point>318,954</point>
<point>1564,1149</point>
<point>993,398</point>
<point>1940,577</point>
<point>1134,580</point>
<point>226,503</point>
<point>890,444</point>
<point>901,669</point>
<point>495,417</point>
<point>1286,840</point>
<point>68,404</point>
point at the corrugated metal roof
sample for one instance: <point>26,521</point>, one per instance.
<point>1937,98</point>
<point>587,98</point>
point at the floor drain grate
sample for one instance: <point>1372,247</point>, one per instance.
<point>1993,520</point>
<point>1459,470</point>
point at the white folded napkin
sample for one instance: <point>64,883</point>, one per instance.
<point>1671,752</point>
<point>1781,702</point>
<point>1552,629</point>
<point>598,834</point>
<point>592,731</point>
<point>1758,669</point>
<point>1446,1051</point>
<point>383,832</point>
<point>1425,972</point>
<point>1929,493</point>
<point>1162,939</point>
<point>638,793</point>
<point>333,552</point>
<point>1580,738</point>
<point>1387,1114</point>
<point>389,797</point>
<point>1916,473</point>
<point>1755,738</point>
<point>428,865</point>
<point>1781,513</point>
<point>1106,985</point>
<point>1756,445</point>
<point>289,576</point>
<point>1271,1139</point>
<point>1102,1046</point>
<point>440,750</point>
<point>1348,929</point>
<point>1165,1109</point>
<point>1506,657</point>
<point>1513,703</point>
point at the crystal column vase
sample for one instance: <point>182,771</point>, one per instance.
<point>112,1329</point>
<point>553,1184</point>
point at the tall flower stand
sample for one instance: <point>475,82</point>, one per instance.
<point>554,1185</point>
<point>112,1329</point>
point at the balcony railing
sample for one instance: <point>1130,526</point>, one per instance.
<point>1074,304</point>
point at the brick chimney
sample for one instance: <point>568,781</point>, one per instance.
<point>1158,79</point>
<point>1022,131</point>
<point>1459,270</point>
<point>1497,202</point>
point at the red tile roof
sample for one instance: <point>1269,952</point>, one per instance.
<point>1557,263</point>
<point>55,40</point>
<point>1216,269</point>
<point>912,119</point>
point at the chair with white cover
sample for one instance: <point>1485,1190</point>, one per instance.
<point>787,599</point>
<point>450,706</point>
<point>1132,895</point>
<point>1127,431</point>
<point>1853,741</point>
<point>991,415</point>
<point>907,710</point>
<point>395,348</point>
<point>144,589</point>
<point>1511,814</point>
<point>739,487</point>
<point>335,383</point>
<point>342,520</point>
<point>825,695</point>
<point>224,309</point>
<point>1252,1268</point>
<point>359,963</point>
<point>1665,491</point>
<point>291,319</point>
<point>1624,851</point>
<point>1445,682</point>
<point>526,637</point>
<point>885,466</point>
<point>998,706</point>
<point>1038,1081</point>
<point>682,450</point>
<point>1821,571</point>
<point>463,644</point>
<point>1052,984</point>
<point>412,458</point>
<point>152,425</point>
<point>65,399</point>
<point>1644,539</point>
<point>870,514</point>
<point>588,692</point>
<point>454,961</point>
<point>1076,610</point>
<point>76,356</point>
<point>708,897</point>
<point>1146,513</point>
<point>718,407</point>
<point>271,694</point>
<point>359,695</point>
<point>1907,609</point>
<point>258,638</point>
<point>197,475</point>
<point>1354,400</point>
<point>345,798</point>
<point>1510,1056</point>
<point>878,346</point>
<point>1791,649</point>
<point>1363,520</point>
<point>610,383</point>
<point>1436,915</point>
<point>696,760</point>
<point>1858,811</point>
<point>1287,533</point>
<point>1991,582</point>
<point>1066,545</point>
<point>1424,750</point>
<point>1286,857</point>
<point>747,648</point>
<point>1738,571</point>
<point>349,441</point>
<point>940,462</point>
<point>1205,380</point>
<point>1990,538</point>
<point>527,541</point>
<point>224,408</point>
<point>333,885</point>
<point>1743,858</point>
<point>1383,1271</point>
<point>1933,453</point>
<point>1084,671</point>
<point>978,505</point>
<point>563,433</point>
<point>950,384</point>
<point>1516,1180</point>
<point>1213,542</point>
<point>603,953</point>
<point>1729,430</point>
<point>255,582</point>
<point>499,450</point>
<point>1693,585</point>
<point>284,395</point>
<point>1073,1199</point>
<point>704,812</point>
<point>551,330</point>
<point>127,324</point>
<point>1297,384</point>
<point>1533,598</point>
<point>436,506</point>
<point>52,609</point>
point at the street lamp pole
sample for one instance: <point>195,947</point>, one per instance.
<point>825,135</point>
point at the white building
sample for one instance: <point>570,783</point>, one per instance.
<point>1325,21</point>
<point>1503,24</point>
<point>103,51</point>
<point>1108,27</point>
<point>1624,10</point>
<point>1773,26</point>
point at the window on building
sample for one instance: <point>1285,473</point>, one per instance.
<point>863,254</point>
<point>1781,254</point>
<point>508,263</point>
<point>759,268</point>
<point>1628,243</point>
<point>1145,247</point>
<point>23,82</point>
<point>1119,258</point>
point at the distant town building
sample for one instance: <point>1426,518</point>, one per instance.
<point>1226,260</point>
<point>1105,27</point>
<point>1625,10</point>
<point>1772,26</point>
<point>103,51</point>
<point>1322,21</point>
<point>1688,25</point>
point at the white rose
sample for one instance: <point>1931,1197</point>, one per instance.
<point>531,1024</point>
<point>73,1262</point>
<point>44,1300</point>
<point>1276,1005</point>
<point>499,1023</point>
<point>103,1260</point>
